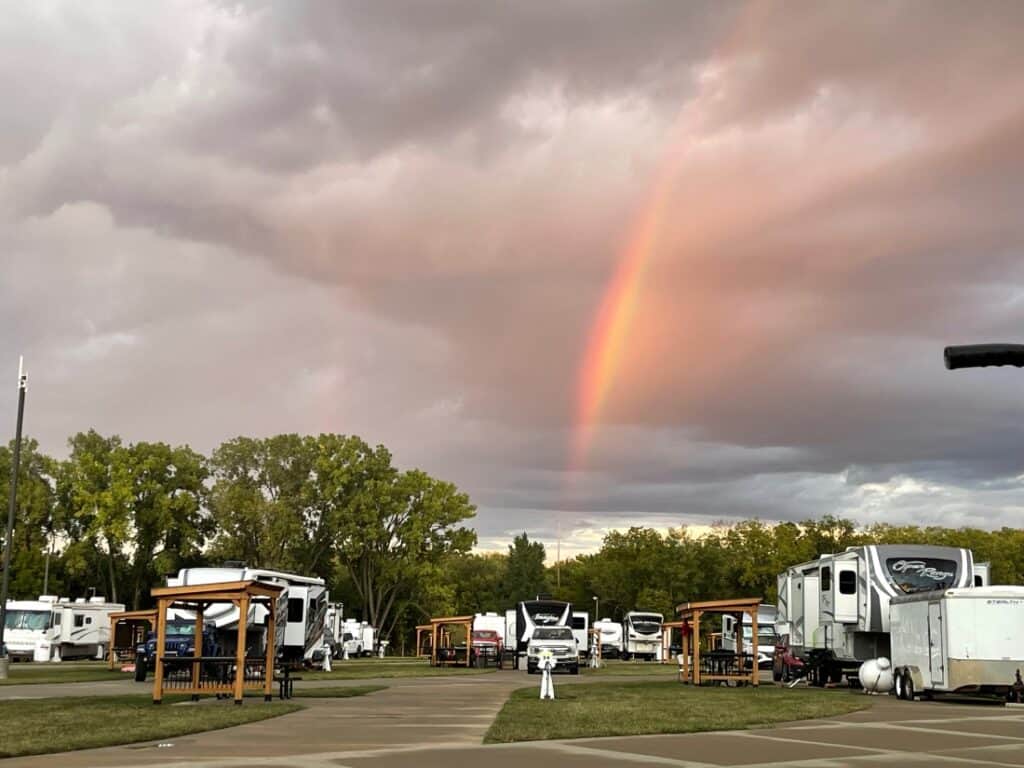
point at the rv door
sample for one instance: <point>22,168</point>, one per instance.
<point>845,592</point>
<point>935,646</point>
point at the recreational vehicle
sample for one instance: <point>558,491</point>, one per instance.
<point>765,648</point>
<point>54,629</point>
<point>490,621</point>
<point>611,638</point>
<point>303,607</point>
<point>581,631</point>
<point>833,612</point>
<point>531,614</point>
<point>964,641</point>
<point>641,635</point>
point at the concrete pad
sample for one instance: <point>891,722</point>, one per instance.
<point>491,757</point>
<point>885,737</point>
<point>744,748</point>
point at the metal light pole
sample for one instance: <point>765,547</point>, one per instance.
<point>597,609</point>
<point>12,504</point>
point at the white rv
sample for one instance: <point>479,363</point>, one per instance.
<point>833,612</point>
<point>303,606</point>
<point>611,638</point>
<point>54,629</point>
<point>641,635</point>
<point>957,641</point>
<point>765,648</point>
<point>581,632</point>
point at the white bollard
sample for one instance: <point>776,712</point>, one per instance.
<point>344,652</point>
<point>547,685</point>
<point>327,658</point>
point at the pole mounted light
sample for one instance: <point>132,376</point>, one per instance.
<point>11,506</point>
<point>984,355</point>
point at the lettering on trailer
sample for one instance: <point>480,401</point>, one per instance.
<point>1004,601</point>
<point>546,618</point>
<point>920,568</point>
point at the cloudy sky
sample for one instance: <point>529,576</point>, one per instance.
<point>405,220</point>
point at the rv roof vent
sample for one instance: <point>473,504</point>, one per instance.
<point>98,599</point>
<point>47,598</point>
<point>79,599</point>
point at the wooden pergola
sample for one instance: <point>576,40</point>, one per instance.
<point>440,636</point>
<point>127,630</point>
<point>421,631</point>
<point>666,639</point>
<point>220,675</point>
<point>689,617</point>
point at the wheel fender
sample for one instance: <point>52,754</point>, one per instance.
<point>915,675</point>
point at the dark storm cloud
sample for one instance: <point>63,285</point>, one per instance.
<point>398,219</point>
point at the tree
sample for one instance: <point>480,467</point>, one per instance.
<point>394,528</point>
<point>524,576</point>
<point>33,522</point>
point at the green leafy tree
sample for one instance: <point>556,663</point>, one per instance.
<point>525,576</point>
<point>34,516</point>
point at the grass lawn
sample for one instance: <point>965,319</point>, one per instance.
<point>361,669</point>
<point>630,709</point>
<point>338,692</point>
<point>29,673</point>
<point>38,726</point>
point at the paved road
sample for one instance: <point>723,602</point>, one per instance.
<point>440,722</point>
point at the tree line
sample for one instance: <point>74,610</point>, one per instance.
<point>116,518</point>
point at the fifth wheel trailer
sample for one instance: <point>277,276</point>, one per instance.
<point>964,641</point>
<point>833,612</point>
<point>531,614</point>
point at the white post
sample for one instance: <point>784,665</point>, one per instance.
<point>327,658</point>
<point>547,685</point>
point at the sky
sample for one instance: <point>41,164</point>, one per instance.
<point>598,263</point>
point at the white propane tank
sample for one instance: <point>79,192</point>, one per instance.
<point>876,675</point>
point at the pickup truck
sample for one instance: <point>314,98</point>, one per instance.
<point>560,643</point>
<point>486,647</point>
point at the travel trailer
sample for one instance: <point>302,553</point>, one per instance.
<point>641,635</point>
<point>581,632</point>
<point>765,649</point>
<point>531,614</point>
<point>55,629</point>
<point>303,607</point>
<point>963,641</point>
<point>611,638</point>
<point>489,622</point>
<point>833,612</point>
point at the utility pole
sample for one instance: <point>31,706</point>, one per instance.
<point>11,506</point>
<point>984,355</point>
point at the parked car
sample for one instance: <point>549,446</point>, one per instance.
<point>487,647</point>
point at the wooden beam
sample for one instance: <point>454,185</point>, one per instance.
<point>243,618</point>
<point>161,649</point>
<point>268,672</point>
<point>696,647</point>
<point>197,649</point>
<point>755,675</point>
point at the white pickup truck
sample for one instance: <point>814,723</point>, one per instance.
<point>557,641</point>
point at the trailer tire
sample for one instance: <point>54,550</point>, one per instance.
<point>140,668</point>
<point>908,687</point>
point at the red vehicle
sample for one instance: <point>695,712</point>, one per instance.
<point>486,647</point>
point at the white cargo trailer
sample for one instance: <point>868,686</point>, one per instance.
<point>965,641</point>
<point>581,632</point>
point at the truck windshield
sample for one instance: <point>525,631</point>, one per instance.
<point>921,574</point>
<point>646,625</point>
<point>179,628</point>
<point>32,620</point>
<point>552,633</point>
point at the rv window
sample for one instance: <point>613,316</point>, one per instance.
<point>312,607</point>
<point>295,609</point>
<point>56,618</point>
<point>578,622</point>
<point>826,579</point>
<point>79,620</point>
<point>978,581</point>
<point>88,619</point>
<point>847,583</point>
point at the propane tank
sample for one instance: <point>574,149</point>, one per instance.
<point>876,675</point>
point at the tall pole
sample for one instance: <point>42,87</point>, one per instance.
<point>12,504</point>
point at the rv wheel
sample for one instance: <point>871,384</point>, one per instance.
<point>140,668</point>
<point>908,686</point>
<point>897,684</point>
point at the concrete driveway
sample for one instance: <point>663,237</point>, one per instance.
<point>440,722</point>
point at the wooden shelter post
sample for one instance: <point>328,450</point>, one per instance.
<point>243,618</point>
<point>696,647</point>
<point>755,677</point>
<point>268,670</point>
<point>161,649</point>
<point>198,652</point>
